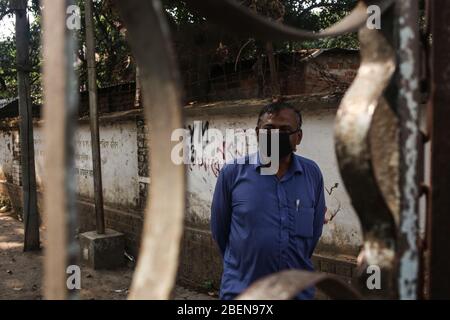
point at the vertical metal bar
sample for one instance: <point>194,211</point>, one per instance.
<point>425,183</point>
<point>30,212</point>
<point>408,112</point>
<point>93,111</point>
<point>71,115</point>
<point>61,104</point>
<point>439,240</point>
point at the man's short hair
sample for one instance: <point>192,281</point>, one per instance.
<point>276,107</point>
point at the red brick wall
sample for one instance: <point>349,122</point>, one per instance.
<point>115,98</point>
<point>330,72</point>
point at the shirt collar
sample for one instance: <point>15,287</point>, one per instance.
<point>295,167</point>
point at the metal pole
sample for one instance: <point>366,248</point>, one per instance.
<point>93,110</point>
<point>408,112</point>
<point>437,233</point>
<point>30,212</point>
<point>60,111</point>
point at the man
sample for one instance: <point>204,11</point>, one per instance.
<point>267,223</point>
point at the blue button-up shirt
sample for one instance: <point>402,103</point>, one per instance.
<point>263,224</point>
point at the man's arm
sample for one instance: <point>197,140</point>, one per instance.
<point>221,210</point>
<point>319,214</point>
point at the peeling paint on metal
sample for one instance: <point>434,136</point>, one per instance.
<point>409,83</point>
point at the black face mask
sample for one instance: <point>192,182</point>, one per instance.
<point>285,144</point>
<point>285,147</point>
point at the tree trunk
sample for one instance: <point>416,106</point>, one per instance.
<point>259,71</point>
<point>93,116</point>
<point>274,84</point>
<point>30,212</point>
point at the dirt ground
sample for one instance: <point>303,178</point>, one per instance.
<point>21,273</point>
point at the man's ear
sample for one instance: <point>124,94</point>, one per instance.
<point>257,133</point>
<point>299,137</point>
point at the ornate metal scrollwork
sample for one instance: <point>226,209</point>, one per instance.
<point>286,285</point>
<point>367,152</point>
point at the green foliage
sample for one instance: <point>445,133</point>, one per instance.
<point>114,62</point>
<point>8,70</point>
<point>8,83</point>
<point>311,15</point>
<point>273,9</point>
<point>317,15</point>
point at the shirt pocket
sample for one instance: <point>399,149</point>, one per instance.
<point>304,222</point>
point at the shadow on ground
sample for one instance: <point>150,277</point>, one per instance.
<point>21,273</point>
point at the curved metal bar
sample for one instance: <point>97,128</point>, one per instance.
<point>286,285</point>
<point>149,38</point>
<point>355,152</point>
<point>246,21</point>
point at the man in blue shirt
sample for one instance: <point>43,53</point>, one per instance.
<point>267,223</point>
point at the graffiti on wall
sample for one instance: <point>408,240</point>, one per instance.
<point>210,148</point>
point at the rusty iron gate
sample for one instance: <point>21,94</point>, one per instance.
<point>378,142</point>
